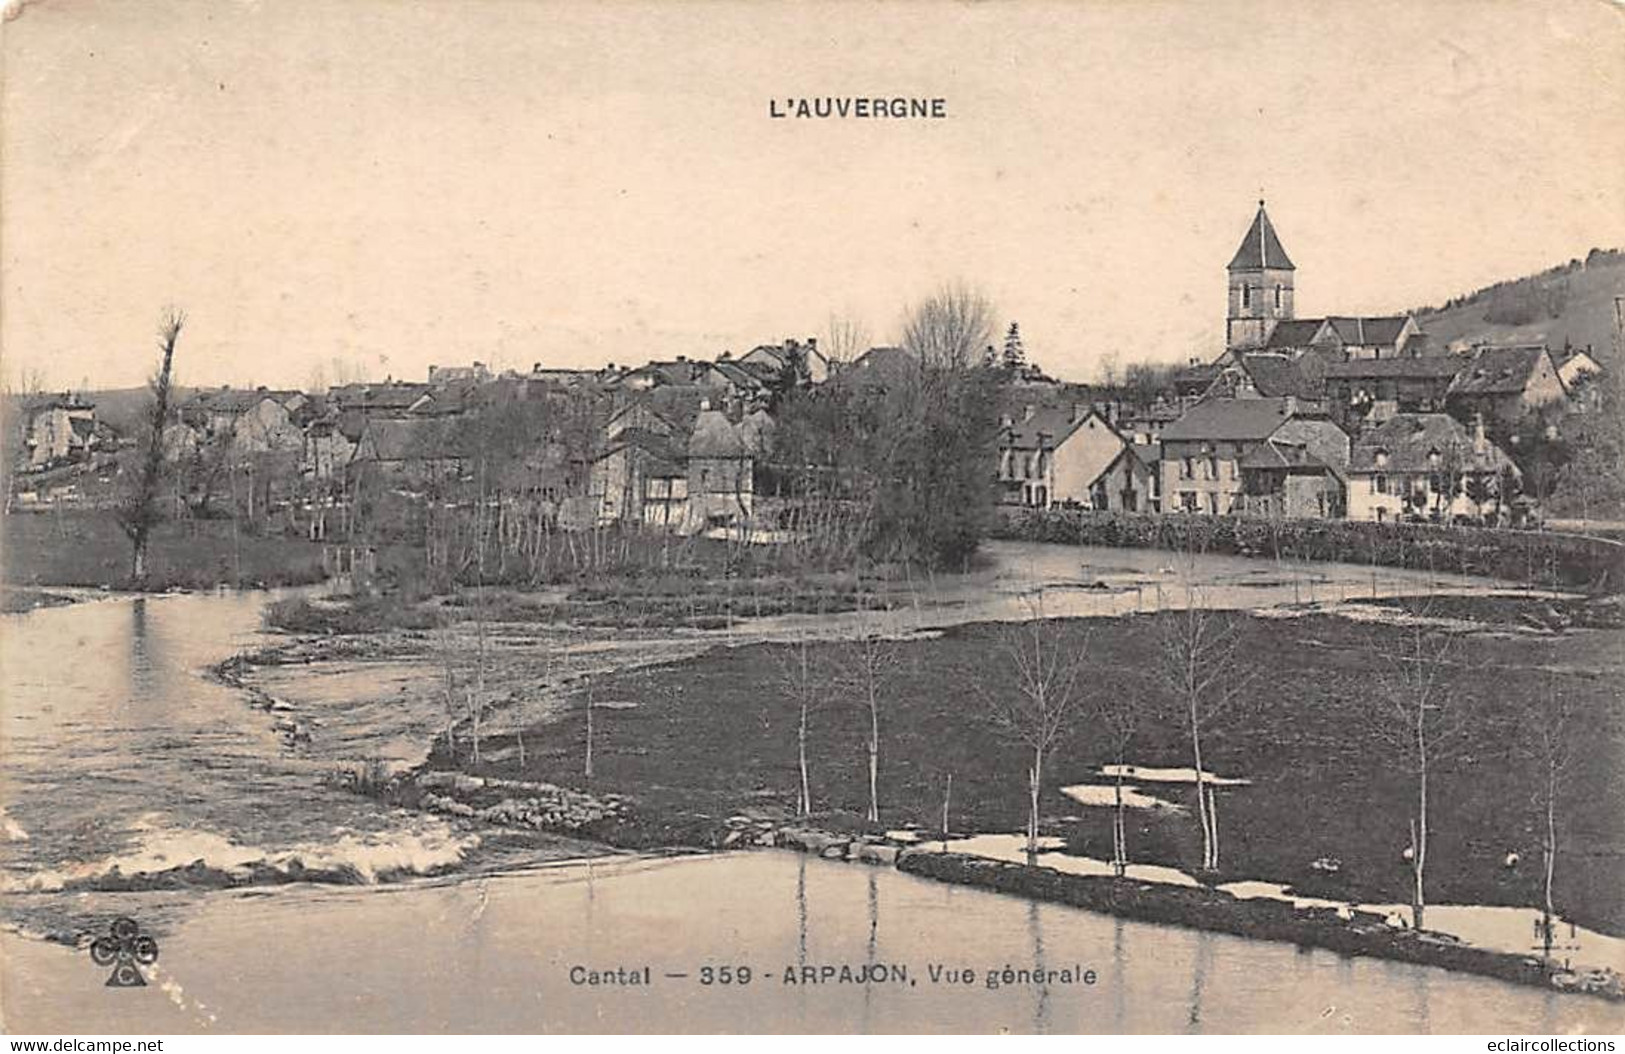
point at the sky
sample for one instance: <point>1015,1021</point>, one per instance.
<point>333,191</point>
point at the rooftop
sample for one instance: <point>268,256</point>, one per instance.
<point>1502,370</point>
<point>1231,419</point>
<point>1408,442</point>
<point>1261,248</point>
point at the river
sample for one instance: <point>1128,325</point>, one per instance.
<point>120,757</point>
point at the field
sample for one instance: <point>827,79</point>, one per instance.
<point>89,549</point>
<point>698,740</point>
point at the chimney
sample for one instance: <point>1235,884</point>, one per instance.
<point>705,404</point>
<point>682,358</point>
<point>812,344</point>
<point>1027,412</point>
<point>1006,421</point>
<point>535,367</point>
<point>1079,411</point>
<point>1481,442</point>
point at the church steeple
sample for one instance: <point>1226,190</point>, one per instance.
<point>1260,284</point>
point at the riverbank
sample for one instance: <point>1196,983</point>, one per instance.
<point>15,601</point>
<point>88,548</point>
<point>1544,559</point>
<point>688,745</point>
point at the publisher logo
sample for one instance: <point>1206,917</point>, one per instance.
<point>126,949</point>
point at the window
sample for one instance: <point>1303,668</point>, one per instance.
<point>1187,468</point>
<point>679,488</point>
<point>1187,500</point>
<point>1280,296</point>
<point>1379,484</point>
<point>1246,296</point>
<point>1212,468</point>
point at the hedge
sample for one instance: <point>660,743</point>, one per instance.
<point>1536,558</point>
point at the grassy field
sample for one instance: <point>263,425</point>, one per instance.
<point>704,738</point>
<point>89,549</point>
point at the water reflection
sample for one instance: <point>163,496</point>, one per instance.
<point>1199,968</point>
<point>496,955</point>
<point>1035,926</point>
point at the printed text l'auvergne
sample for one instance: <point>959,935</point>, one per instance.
<point>861,107</point>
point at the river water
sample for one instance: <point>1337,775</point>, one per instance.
<point>121,758</point>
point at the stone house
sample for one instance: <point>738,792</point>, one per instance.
<point>1071,457</point>
<point>254,421</point>
<point>721,473</point>
<point>1202,452</point>
<point>658,469</point>
<point>640,477</point>
<point>1363,393</point>
<point>1580,374</point>
<point>330,443</point>
<point>809,364</point>
<point>58,428</point>
<point>1505,382</point>
<point>412,450</point>
<point>1427,466</point>
<point>1269,375</point>
<point>1281,480</point>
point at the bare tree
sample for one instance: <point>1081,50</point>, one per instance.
<point>798,677</point>
<point>1119,713</point>
<point>1035,697</point>
<point>1419,723</point>
<point>845,339</point>
<point>140,509</point>
<point>1547,742</point>
<point>949,329</point>
<point>873,660</point>
<point>1199,663</point>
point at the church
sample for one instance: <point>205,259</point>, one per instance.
<point>1262,316</point>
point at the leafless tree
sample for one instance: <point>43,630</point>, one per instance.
<point>139,512</point>
<point>798,678</point>
<point>1418,720</point>
<point>874,659</point>
<point>1198,661</point>
<point>1119,713</point>
<point>1547,741</point>
<point>844,340</point>
<point>949,329</point>
<point>1035,695</point>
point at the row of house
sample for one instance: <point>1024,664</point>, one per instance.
<point>1267,457</point>
<point>1340,416</point>
<point>669,443</point>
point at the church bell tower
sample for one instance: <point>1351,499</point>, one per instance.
<point>1260,285</point>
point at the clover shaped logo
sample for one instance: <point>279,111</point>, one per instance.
<point>126,949</point>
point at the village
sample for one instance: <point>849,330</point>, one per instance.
<point>882,604</point>
<point>1330,418</point>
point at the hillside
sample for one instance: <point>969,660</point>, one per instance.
<point>1571,303</point>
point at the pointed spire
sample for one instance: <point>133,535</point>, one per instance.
<point>1261,248</point>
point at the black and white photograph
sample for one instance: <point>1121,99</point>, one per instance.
<point>837,518</point>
